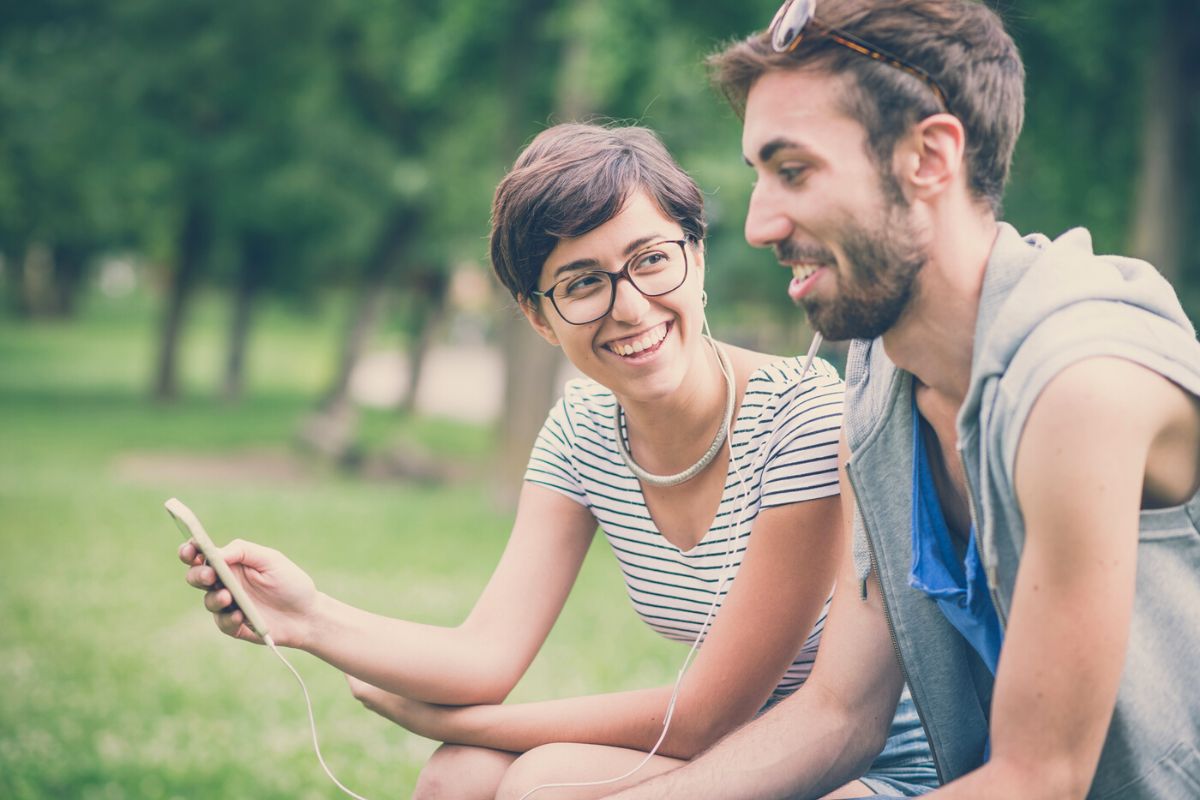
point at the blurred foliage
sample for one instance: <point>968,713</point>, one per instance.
<point>302,126</point>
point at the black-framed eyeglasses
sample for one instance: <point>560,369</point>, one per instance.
<point>584,297</point>
<point>795,17</point>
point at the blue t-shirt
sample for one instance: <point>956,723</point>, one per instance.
<point>958,587</point>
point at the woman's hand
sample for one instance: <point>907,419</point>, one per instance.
<point>283,592</point>
<point>424,719</point>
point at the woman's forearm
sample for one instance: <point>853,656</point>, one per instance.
<point>455,666</point>
<point>632,719</point>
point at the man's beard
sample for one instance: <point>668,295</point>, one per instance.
<point>885,263</point>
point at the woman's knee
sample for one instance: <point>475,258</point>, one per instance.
<point>550,763</point>
<point>459,772</point>
<point>605,768</point>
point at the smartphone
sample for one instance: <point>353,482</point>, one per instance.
<point>189,525</point>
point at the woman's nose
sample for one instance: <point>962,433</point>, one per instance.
<point>629,305</point>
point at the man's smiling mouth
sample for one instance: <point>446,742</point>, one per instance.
<point>803,271</point>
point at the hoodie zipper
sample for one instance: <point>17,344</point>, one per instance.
<point>937,764</point>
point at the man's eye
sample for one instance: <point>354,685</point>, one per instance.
<point>793,174</point>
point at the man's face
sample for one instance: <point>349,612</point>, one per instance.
<point>843,229</point>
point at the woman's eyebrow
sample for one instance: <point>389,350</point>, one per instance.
<point>576,265</point>
<point>591,263</point>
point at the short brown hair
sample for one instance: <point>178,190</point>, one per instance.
<point>573,178</point>
<point>963,46</point>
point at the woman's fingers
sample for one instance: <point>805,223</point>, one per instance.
<point>202,576</point>
<point>218,600</point>
<point>189,554</point>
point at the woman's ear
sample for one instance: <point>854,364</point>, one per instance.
<point>533,312</point>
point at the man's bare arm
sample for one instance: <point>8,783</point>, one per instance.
<point>1079,481</point>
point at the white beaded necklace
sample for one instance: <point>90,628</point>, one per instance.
<point>706,459</point>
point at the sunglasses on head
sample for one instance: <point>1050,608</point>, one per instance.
<point>795,18</point>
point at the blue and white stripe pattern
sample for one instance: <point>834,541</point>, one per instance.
<point>784,444</point>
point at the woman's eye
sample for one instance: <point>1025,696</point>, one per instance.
<point>650,260</point>
<point>581,285</point>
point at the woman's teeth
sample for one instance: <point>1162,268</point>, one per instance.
<point>645,342</point>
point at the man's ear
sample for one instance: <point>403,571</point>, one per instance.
<point>930,158</point>
<point>533,312</point>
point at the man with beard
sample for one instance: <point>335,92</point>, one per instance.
<point>1021,439</point>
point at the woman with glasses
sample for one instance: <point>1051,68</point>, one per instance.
<point>710,469</point>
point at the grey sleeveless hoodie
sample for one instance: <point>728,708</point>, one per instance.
<point>1044,306</point>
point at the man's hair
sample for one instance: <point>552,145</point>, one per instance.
<point>961,44</point>
<point>573,178</point>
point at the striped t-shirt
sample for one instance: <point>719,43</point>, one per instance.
<point>785,446</point>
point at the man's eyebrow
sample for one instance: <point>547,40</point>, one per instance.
<point>768,150</point>
<point>591,263</point>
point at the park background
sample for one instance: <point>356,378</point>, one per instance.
<point>243,261</point>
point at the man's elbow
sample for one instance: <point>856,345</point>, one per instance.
<point>1062,776</point>
<point>692,734</point>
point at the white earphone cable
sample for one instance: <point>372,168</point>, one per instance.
<point>712,610</point>
<point>717,594</point>
<point>312,722</point>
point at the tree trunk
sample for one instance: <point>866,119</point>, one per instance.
<point>429,292</point>
<point>13,279</point>
<point>330,429</point>
<point>1161,190</point>
<point>35,285</point>
<point>70,262</point>
<point>253,254</point>
<point>194,240</point>
<point>530,365</point>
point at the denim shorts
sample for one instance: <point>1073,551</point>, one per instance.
<point>905,767</point>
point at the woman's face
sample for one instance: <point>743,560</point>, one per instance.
<point>665,330</point>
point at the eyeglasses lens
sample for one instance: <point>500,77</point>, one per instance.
<point>654,271</point>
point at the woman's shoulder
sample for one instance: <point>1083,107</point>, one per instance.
<point>584,400</point>
<point>776,375</point>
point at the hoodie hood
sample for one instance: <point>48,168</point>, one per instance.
<point>1031,279</point>
<point>1045,305</point>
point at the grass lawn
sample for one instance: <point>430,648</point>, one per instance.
<point>113,681</point>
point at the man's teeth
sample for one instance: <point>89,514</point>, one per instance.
<point>802,271</point>
<point>648,340</point>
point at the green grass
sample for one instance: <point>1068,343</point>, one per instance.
<point>114,682</point>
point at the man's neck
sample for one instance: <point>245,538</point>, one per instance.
<point>935,336</point>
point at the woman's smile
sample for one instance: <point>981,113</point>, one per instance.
<point>641,345</point>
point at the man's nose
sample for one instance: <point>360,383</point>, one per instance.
<point>766,222</point>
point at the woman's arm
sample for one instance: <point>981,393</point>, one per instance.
<point>772,606</point>
<point>478,661</point>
